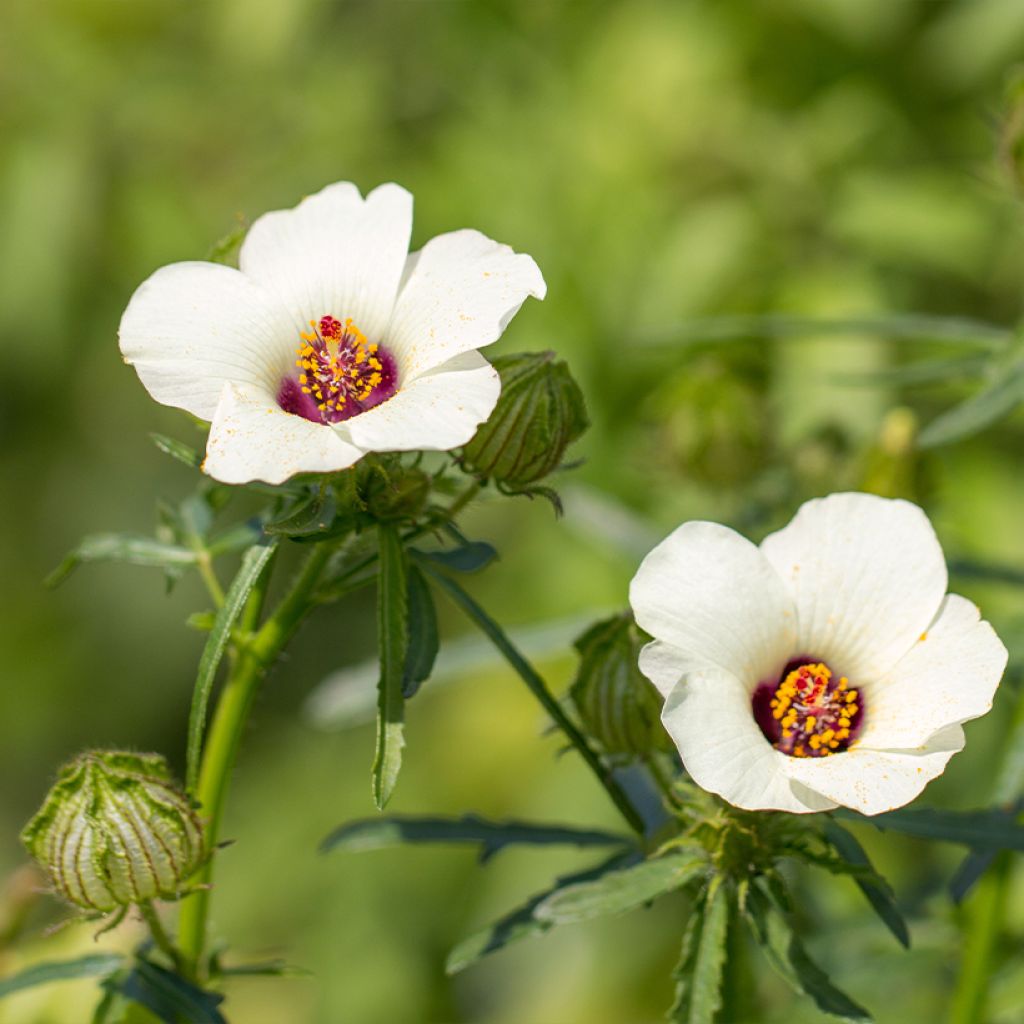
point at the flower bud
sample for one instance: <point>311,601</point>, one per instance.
<point>393,492</point>
<point>539,414</point>
<point>615,702</point>
<point>115,830</point>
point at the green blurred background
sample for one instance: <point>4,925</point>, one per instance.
<point>661,161</point>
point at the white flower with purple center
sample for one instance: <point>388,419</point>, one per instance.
<point>826,667</point>
<point>331,340</point>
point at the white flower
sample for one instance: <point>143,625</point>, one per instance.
<point>331,340</point>
<point>826,667</point>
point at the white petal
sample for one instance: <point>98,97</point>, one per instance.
<point>708,716</point>
<point>436,412</point>
<point>252,438</point>
<point>867,575</point>
<point>335,254</point>
<point>949,676</point>
<point>459,293</point>
<point>875,781</point>
<point>711,594</point>
<point>664,665</point>
<point>191,327</point>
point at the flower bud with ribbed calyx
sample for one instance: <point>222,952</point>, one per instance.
<point>115,830</point>
<point>615,702</point>
<point>539,414</point>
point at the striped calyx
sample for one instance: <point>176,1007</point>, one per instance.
<point>539,414</point>
<point>616,703</point>
<point>115,830</point>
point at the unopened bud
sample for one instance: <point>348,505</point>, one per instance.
<point>539,414</point>
<point>616,703</point>
<point>115,830</point>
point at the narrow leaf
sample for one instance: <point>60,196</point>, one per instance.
<point>699,997</point>
<point>170,997</point>
<point>490,836</point>
<point>971,868</point>
<point>978,412</point>
<point>254,562</point>
<point>96,965</point>
<point>117,547</point>
<point>623,890</point>
<point>471,556</point>
<point>521,923</point>
<point>393,643</point>
<point>786,953</point>
<point>313,517</point>
<point>878,892</point>
<point>423,637</point>
<point>992,829</point>
<point>177,450</point>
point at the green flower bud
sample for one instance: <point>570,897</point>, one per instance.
<point>616,703</point>
<point>539,414</point>
<point>394,492</point>
<point>115,830</point>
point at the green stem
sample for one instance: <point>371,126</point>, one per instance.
<point>464,499</point>
<point>159,933</point>
<point>535,683</point>
<point>225,735</point>
<point>986,918</point>
<point>205,566</point>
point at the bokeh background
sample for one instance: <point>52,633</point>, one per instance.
<point>662,161</point>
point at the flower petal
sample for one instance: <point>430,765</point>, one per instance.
<point>876,781</point>
<point>191,327</point>
<point>712,595</point>
<point>949,676</point>
<point>437,411</point>
<point>252,438</point>
<point>334,254</point>
<point>708,716</point>
<point>867,575</point>
<point>459,293</point>
<point>664,665</point>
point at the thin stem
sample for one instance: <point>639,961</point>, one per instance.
<point>539,689</point>
<point>986,918</point>
<point>205,566</point>
<point>159,933</point>
<point>225,735</point>
<point>464,499</point>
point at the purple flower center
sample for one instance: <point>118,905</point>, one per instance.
<point>340,374</point>
<point>808,712</point>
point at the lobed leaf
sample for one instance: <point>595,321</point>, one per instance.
<point>702,964</point>
<point>393,642</point>
<point>490,836</point>
<point>625,889</point>
<point>96,965</point>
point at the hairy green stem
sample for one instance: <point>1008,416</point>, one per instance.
<point>225,735</point>
<point>159,933</point>
<point>535,683</point>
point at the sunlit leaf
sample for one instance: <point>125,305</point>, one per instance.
<point>702,963</point>
<point>97,965</point>
<point>874,887</point>
<point>786,953</point>
<point>254,562</point>
<point>622,890</point>
<point>393,643</point>
<point>490,836</point>
<point>117,547</point>
<point>981,410</point>
<point>423,637</point>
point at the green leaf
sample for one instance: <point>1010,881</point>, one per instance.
<point>920,372</point>
<point>878,892</point>
<point>981,410</point>
<point>393,643</point>
<point>521,923</point>
<point>167,995</point>
<point>423,639</point>
<point>490,836</point>
<point>178,450</point>
<point>786,953</point>
<point>314,517</point>
<point>626,889</point>
<point>254,562</point>
<point>96,965</point>
<point>991,829</point>
<point>119,547</point>
<point>702,964</point>
<point>471,556</point>
<point>967,569</point>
